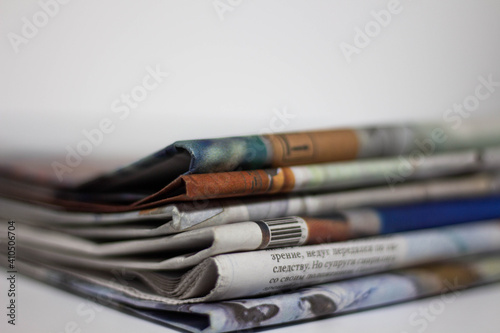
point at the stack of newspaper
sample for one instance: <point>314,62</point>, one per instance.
<point>227,234</point>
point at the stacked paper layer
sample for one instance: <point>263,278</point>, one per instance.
<point>307,224</point>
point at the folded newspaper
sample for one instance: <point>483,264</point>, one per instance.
<point>179,217</point>
<point>447,279</point>
<point>170,174</point>
<point>250,273</point>
<point>189,248</point>
<point>277,218</point>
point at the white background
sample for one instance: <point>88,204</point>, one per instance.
<point>228,77</point>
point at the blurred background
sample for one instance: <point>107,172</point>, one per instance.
<point>228,66</point>
<point>147,73</point>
